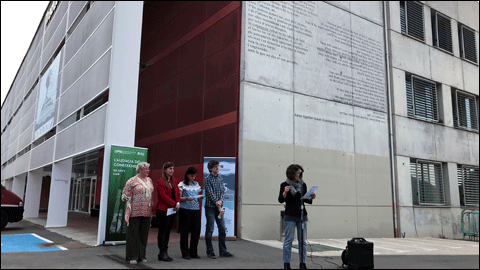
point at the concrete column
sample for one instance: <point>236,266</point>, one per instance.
<point>59,194</point>
<point>19,185</point>
<point>32,195</point>
<point>122,97</point>
<point>453,184</point>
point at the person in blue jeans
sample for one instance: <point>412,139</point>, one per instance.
<point>214,196</point>
<point>291,192</point>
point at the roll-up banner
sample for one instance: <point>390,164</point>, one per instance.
<point>227,172</point>
<point>123,166</point>
<point>47,99</point>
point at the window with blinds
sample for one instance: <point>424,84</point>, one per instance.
<point>442,31</point>
<point>427,182</point>
<point>465,110</point>
<point>422,100</point>
<point>468,43</point>
<point>468,185</point>
<point>411,19</point>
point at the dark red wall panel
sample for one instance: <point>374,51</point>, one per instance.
<point>188,95</point>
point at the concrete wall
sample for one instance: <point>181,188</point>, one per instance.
<point>313,93</point>
<point>419,139</point>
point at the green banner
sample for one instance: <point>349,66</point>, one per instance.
<point>123,166</point>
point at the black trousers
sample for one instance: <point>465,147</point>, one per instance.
<point>137,238</point>
<point>189,221</point>
<point>165,225</point>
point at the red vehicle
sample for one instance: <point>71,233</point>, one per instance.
<point>12,207</point>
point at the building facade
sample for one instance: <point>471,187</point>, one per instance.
<point>378,101</point>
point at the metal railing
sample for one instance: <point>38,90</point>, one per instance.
<point>470,224</point>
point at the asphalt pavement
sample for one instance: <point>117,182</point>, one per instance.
<point>248,254</point>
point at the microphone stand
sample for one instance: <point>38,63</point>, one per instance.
<point>300,242</point>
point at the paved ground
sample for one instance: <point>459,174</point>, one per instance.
<point>410,253</point>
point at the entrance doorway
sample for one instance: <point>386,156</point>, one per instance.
<point>82,194</point>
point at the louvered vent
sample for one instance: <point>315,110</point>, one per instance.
<point>414,20</point>
<point>421,99</point>
<point>429,179</point>
<point>468,44</point>
<point>468,179</point>
<point>443,32</point>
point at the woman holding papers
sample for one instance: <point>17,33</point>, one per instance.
<point>168,201</point>
<point>189,214</point>
<point>291,192</point>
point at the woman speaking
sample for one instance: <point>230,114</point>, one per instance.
<point>291,192</point>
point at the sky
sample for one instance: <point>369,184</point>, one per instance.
<point>20,20</point>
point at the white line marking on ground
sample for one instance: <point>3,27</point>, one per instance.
<point>49,241</point>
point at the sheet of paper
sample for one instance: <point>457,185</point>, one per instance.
<point>170,211</point>
<point>198,196</point>
<point>310,192</point>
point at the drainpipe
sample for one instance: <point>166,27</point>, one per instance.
<point>390,125</point>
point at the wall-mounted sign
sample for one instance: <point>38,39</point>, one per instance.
<point>47,99</point>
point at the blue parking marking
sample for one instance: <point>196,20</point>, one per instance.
<point>25,243</point>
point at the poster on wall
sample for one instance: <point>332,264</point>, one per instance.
<point>47,99</point>
<point>123,166</point>
<point>227,172</point>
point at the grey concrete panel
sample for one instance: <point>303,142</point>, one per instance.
<point>27,120</point>
<point>455,40</point>
<point>12,148</point>
<point>449,8</point>
<point>454,145</point>
<point>340,4</point>
<point>87,87</point>
<point>371,10</point>
<point>441,62</point>
<point>93,49</point>
<point>375,222</point>
<point>469,17</point>
<point>266,215</point>
<point>333,171</point>
<point>331,221</point>
<point>9,171</point>
<point>55,23</point>
<point>414,138</point>
<point>373,180</point>
<point>403,181</point>
<point>473,140</point>
<point>410,55</point>
<point>25,138</point>
<point>268,114</point>
<point>73,10</point>
<point>394,15</point>
<point>264,163</point>
<point>14,134</point>
<point>428,28</point>
<point>323,124</point>
<point>470,77</point>
<point>399,92</point>
<point>445,102</point>
<point>428,221</point>
<point>95,15</point>
<point>66,142</point>
<point>371,132</point>
<point>22,163</point>
<point>452,222</point>
<point>53,44</point>
<point>453,197</point>
<point>42,154</point>
<point>90,131</point>
<point>275,70</point>
<point>407,222</point>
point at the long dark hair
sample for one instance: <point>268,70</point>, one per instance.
<point>191,170</point>
<point>164,174</point>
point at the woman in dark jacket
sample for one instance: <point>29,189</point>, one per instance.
<point>168,197</point>
<point>291,192</point>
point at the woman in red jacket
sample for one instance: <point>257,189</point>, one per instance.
<point>168,197</point>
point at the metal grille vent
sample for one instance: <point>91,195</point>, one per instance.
<point>421,98</point>
<point>442,32</point>
<point>468,44</point>
<point>411,19</point>
<point>466,110</point>
<point>429,179</point>
<point>468,179</point>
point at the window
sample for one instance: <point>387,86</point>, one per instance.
<point>468,185</point>
<point>427,182</point>
<point>468,43</point>
<point>421,98</point>
<point>411,19</point>
<point>442,31</point>
<point>465,110</point>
